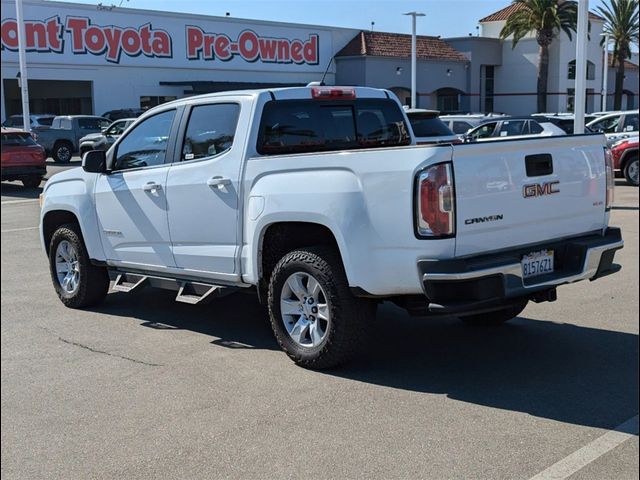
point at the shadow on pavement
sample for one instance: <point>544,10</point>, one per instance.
<point>564,372</point>
<point>17,191</point>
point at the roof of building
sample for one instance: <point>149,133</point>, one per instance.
<point>382,44</point>
<point>507,11</point>
<point>627,64</point>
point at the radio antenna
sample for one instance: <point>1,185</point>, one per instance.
<point>326,70</point>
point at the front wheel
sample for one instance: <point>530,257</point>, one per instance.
<point>631,171</point>
<point>314,316</point>
<point>497,317</point>
<point>76,280</point>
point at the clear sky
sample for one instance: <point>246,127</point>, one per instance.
<point>447,18</point>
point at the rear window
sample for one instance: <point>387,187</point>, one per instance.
<point>93,123</point>
<point>45,121</point>
<point>16,139</point>
<point>461,127</point>
<point>297,126</point>
<point>428,126</point>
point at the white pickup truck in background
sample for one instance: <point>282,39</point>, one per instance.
<point>318,200</point>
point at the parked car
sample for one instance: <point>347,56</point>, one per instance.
<point>512,127</point>
<point>428,128</point>
<point>461,124</point>
<point>625,159</point>
<point>62,140</point>
<point>38,121</point>
<point>104,139</point>
<point>311,198</point>
<point>123,113</point>
<point>22,158</point>
<point>616,126</point>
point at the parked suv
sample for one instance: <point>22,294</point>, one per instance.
<point>104,139</point>
<point>38,121</point>
<point>319,201</point>
<point>616,126</point>
<point>625,158</point>
<point>22,158</point>
<point>62,140</point>
<point>512,127</point>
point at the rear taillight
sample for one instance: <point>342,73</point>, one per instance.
<point>608,162</point>
<point>435,202</point>
<point>332,93</point>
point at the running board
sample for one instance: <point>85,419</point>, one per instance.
<point>123,284</point>
<point>189,291</point>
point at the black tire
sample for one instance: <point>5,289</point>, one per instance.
<point>347,332</point>
<point>497,317</point>
<point>631,170</point>
<point>93,283</point>
<point>32,181</point>
<point>62,152</point>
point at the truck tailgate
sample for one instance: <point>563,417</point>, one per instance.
<point>513,193</point>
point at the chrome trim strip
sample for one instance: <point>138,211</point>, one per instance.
<point>589,270</point>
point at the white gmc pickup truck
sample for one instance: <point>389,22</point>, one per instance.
<point>317,199</point>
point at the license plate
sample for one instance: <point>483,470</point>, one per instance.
<point>537,263</point>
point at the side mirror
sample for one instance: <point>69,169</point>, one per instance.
<point>95,161</point>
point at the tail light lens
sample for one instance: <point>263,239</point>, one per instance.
<point>435,202</point>
<point>608,161</point>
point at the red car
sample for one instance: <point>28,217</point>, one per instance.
<point>625,159</point>
<point>22,158</point>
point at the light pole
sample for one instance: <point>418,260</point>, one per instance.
<point>413,15</point>
<point>22,58</point>
<point>605,73</point>
<point>581,66</point>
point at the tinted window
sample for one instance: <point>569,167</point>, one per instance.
<point>512,128</point>
<point>535,127</point>
<point>293,126</point>
<point>146,144</point>
<point>46,121</point>
<point>631,123</point>
<point>483,131</point>
<point>15,139</point>
<point>116,128</point>
<point>92,123</point>
<point>14,122</point>
<point>606,125</point>
<point>428,126</point>
<point>210,130</point>
<point>461,127</point>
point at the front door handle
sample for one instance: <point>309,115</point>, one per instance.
<point>218,182</point>
<point>152,187</point>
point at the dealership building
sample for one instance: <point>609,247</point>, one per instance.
<point>90,59</point>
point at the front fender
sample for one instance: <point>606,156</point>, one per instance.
<point>72,191</point>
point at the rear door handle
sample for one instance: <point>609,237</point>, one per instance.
<point>218,182</point>
<point>152,187</point>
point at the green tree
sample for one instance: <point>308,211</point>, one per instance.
<point>546,18</point>
<point>621,23</point>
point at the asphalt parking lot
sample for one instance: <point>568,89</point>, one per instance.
<point>143,387</point>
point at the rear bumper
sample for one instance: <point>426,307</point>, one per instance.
<point>471,284</point>
<point>22,171</point>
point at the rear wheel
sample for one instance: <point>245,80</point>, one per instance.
<point>631,171</point>
<point>32,181</point>
<point>76,280</point>
<point>314,316</point>
<point>497,317</point>
<point>62,152</point>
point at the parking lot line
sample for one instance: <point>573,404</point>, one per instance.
<point>18,229</point>
<point>590,452</point>
<point>7,202</point>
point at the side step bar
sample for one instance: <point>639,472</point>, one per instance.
<point>188,291</point>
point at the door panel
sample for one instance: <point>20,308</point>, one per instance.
<point>202,191</point>
<point>131,201</point>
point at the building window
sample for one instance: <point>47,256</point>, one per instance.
<point>149,101</point>
<point>591,70</point>
<point>487,87</point>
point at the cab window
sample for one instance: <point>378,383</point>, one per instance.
<point>210,131</point>
<point>146,144</point>
<point>606,125</point>
<point>483,131</point>
<point>116,128</point>
<point>631,123</point>
<point>513,128</point>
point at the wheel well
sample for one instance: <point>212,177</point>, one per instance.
<point>52,220</point>
<point>627,158</point>
<point>281,238</point>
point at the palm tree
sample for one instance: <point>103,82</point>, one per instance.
<point>621,23</point>
<point>546,18</point>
